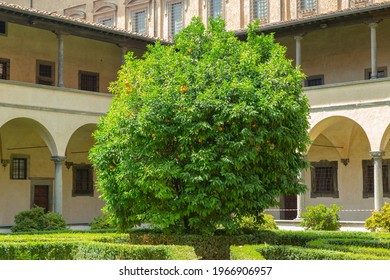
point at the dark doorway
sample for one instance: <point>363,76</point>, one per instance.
<point>290,207</point>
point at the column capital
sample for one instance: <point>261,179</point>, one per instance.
<point>373,24</point>
<point>58,158</point>
<point>298,37</point>
<point>377,154</point>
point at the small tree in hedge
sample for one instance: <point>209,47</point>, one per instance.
<point>379,220</point>
<point>202,132</point>
<point>320,217</point>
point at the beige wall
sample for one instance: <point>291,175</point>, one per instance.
<point>23,49</point>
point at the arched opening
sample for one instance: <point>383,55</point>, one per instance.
<point>26,174</point>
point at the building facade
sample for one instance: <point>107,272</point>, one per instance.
<point>53,90</point>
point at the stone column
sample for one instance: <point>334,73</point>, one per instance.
<point>300,198</point>
<point>374,67</point>
<point>60,74</point>
<point>58,160</point>
<point>378,180</point>
<point>124,51</point>
<point>298,59</point>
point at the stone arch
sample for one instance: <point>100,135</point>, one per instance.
<point>80,142</point>
<point>385,141</point>
<point>33,126</point>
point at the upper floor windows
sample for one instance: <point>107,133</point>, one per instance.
<point>89,81</point>
<point>105,13</point>
<point>139,15</point>
<point>175,18</point>
<point>139,22</point>
<point>259,10</point>
<point>3,27</point>
<point>4,68</point>
<point>77,12</point>
<point>215,8</point>
<point>307,7</point>
<point>45,73</point>
<point>359,3</point>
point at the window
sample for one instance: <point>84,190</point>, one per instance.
<point>139,22</point>
<point>259,9</point>
<point>19,168</point>
<point>312,81</point>
<point>4,69</point>
<point>324,179</point>
<point>3,27</point>
<point>215,8</point>
<point>175,18</point>
<point>45,73</point>
<point>107,21</point>
<point>82,180</point>
<point>104,13</point>
<point>368,178</point>
<point>381,73</point>
<point>89,81</point>
<point>308,4</point>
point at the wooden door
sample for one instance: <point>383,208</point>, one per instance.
<point>41,196</point>
<point>290,206</point>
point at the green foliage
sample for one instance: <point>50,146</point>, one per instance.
<point>246,252</point>
<point>284,252</point>
<point>200,130</point>
<point>320,217</point>
<point>102,222</point>
<point>250,224</point>
<point>379,220</point>
<point>36,219</point>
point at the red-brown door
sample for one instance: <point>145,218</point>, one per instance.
<point>41,196</point>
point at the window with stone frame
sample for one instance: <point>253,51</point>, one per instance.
<point>324,179</point>
<point>215,8</point>
<point>175,18</point>
<point>307,7</point>
<point>4,68</point>
<point>45,72</point>
<point>259,10</point>
<point>104,12</point>
<point>76,12</point>
<point>89,81</point>
<point>19,168</point>
<point>368,178</point>
<point>83,184</point>
<point>139,21</point>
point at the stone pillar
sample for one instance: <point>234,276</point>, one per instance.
<point>124,51</point>
<point>374,67</point>
<point>300,198</point>
<point>60,74</point>
<point>298,60</point>
<point>58,160</point>
<point>378,180</point>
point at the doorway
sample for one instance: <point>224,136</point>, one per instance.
<point>41,191</point>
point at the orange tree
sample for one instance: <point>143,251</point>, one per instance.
<point>202,132</point>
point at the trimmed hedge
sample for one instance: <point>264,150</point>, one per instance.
<point>285,252</point>
<point>50,250</point>
<point>246,252</point>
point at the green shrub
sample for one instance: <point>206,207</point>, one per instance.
<point>102,222</point>
<point>246,252</point>
<point>284,252</point>
<point>36,219</point>
<point>250,224</point>
<point>320,217</point>
<point>379,220</point>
